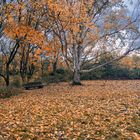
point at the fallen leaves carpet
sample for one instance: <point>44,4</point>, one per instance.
<point>98,110</point>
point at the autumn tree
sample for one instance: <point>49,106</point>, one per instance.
<point>8,55</point>
<point>20,26</point>
<point>82,25</point>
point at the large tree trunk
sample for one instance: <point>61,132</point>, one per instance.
<point>77,65</point>
<point>31,70</point>
<point>76,77</point>
<point>24,63</point>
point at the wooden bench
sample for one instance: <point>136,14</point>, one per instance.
<point>33,85</point>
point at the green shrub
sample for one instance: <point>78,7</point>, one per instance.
<point>16,82</point>
<point>56,78</point>
<point>7,92</point>
<point>61,71</point>
<point>61,75</point>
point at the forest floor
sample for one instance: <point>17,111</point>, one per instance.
<point>98,110</point>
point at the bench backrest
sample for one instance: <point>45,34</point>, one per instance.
<point>32,84</point>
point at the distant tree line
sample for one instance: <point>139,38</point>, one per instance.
<point>127,68</point>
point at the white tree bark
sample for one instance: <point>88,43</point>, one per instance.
<point>77,51</point>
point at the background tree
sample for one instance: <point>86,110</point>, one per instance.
<point>85,24</point>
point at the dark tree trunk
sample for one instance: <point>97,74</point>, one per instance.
<point>24,63</point>
<point>31,70</point>
<point>54,67</point>
<point>7,75</point>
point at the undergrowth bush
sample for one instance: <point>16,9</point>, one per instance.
<point>16,82</point>
<point>61,75</point>
<point>7,92</point>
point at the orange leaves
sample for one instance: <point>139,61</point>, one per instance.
<point>10,19</point>
<point>46,48</point>
<point>13,9</point>
<point>25,33</point>
<point>38,51</point>
<point>63,14</point>
<point>19,26</point>
<point>36,4</point>
<point>70,14</point>
<point>21,31</point>
<point>131,62</point>
<point>36,37</point>
<point>90,25</point>
<point>95,36</point>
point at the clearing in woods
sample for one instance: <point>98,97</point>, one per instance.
<point>97,110</point>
